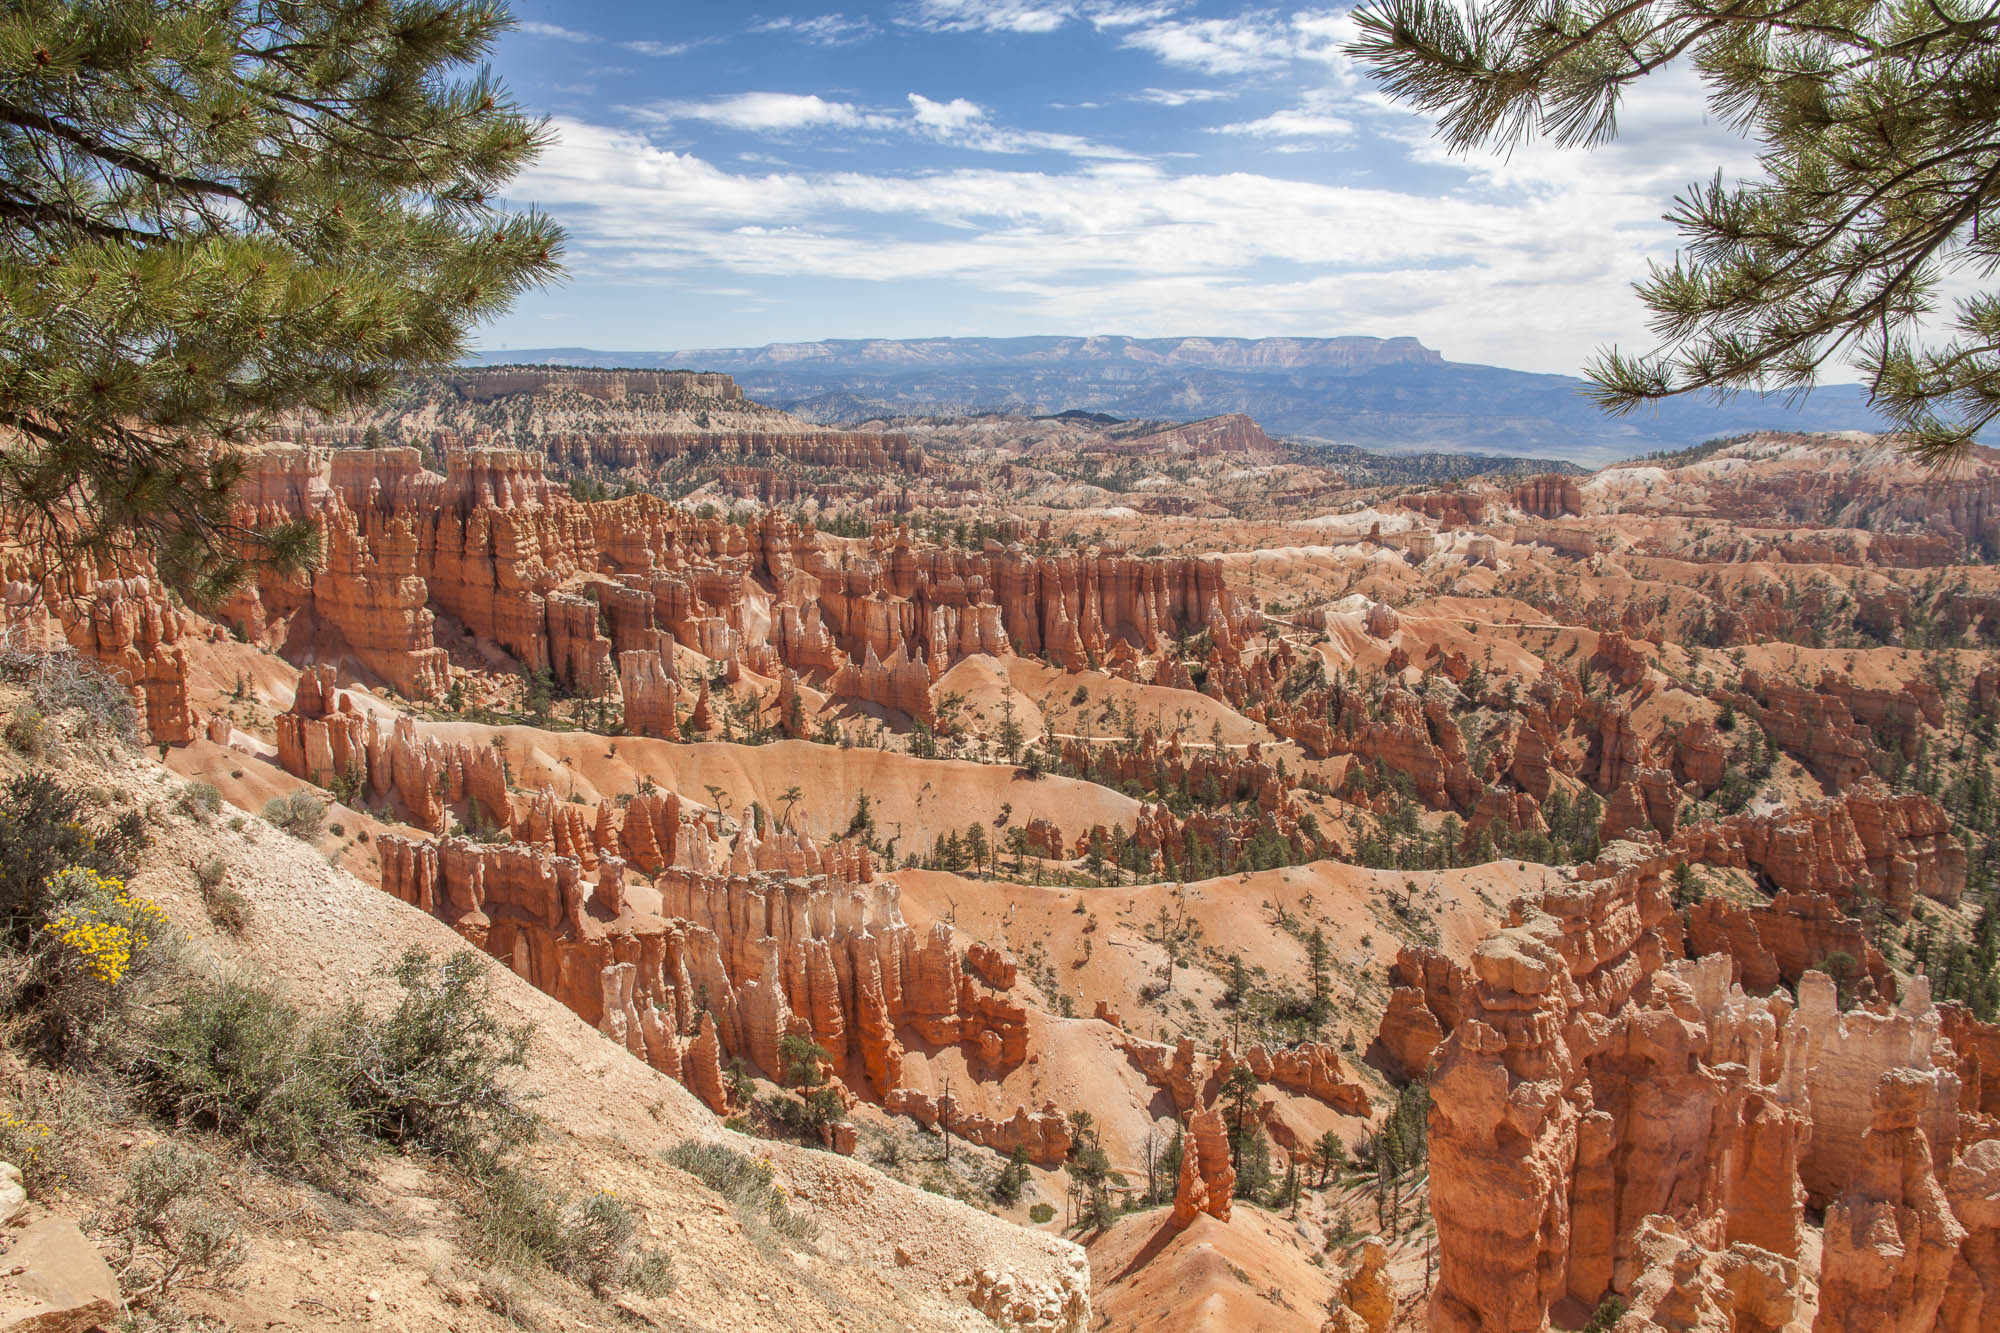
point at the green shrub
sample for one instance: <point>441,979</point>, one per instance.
<point>1042,1213</point>
<point>26,731</point>
<point>652,1274</point>
<point>170,1229</point>
<point>746,1183</point>
<point>1012,1179</point>
<point>234,1058</point>
<point>599,1237</point>
<point>301,814</point>
<point>345,788</point>
<point>1606,1316</point>
<point>226,908</point>
<point>522,1222</point>
<point>517,1217</point>
<point>44,830</point>
<point>94,959</point>
<point>432,1074</point>
<point>200,801</point>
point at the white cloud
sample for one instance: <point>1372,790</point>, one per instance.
<point>1527,264</point>
<point>992,15</point>
<point>964,124</point>
<point>957,122</point>
<point>769,113</point>
<point>945,118</point>
<point>1126,16</point>
<point>1296,123</point>
<point>1253,42</point>
<point>1313,118</point>
<point>1181,96</point>
<point>650,48</point>
<point>821,30</point>
<point>1037,16</point>
<point>560,34</point>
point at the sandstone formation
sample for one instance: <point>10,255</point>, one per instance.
<point>1550,496</point>
<point>1207,1182</point>
<point>127,625</point>
<point>1684,1288</point>
<point>1367,1291</point>
<point>1869,843</point>
<point>1891,1240</point>
<point>721,956</point>
<point>1596,1096</point>
<point>1192,1079</point>
<point>573,588</point>
<point>1972,1289</point>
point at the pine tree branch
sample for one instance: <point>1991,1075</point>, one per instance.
<point>123,159</point>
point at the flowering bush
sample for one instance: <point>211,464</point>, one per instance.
<point>45,830</point>
<point>98,946</point>
<point>103,924</point>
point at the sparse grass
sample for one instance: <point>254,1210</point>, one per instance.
<point>26,732</point>
<point>66,683</point>
<point>45,1131</point>
<point>227,909</point>
<point>503,1294</point>
<point>746,1183</point>
<point>301,814</point>
<point>523,1222</point>
<point>200,801</point>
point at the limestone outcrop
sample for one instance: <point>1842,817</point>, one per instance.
<point>1367,1291</point>
<point>723,955</point>
<point>326,738</point>
<point>1045,1134</point>
<point>1192,1079</point>
<point>1866,843</point>
<point>128,625</point>
<point>571,587</point>
<point>1207,1182</point>
<point>1776,944</point>
<point>1603,1113</point>
<point>1972,1289</point>
<point>1549,496</point>
<point>1891,1240</point>
<point>1683,1287</point>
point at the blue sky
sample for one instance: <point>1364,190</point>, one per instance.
<point>742,173</point>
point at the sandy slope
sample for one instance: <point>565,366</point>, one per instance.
<point>1253,1272</point>
<point>324,937</point>
<point>1101,945</point>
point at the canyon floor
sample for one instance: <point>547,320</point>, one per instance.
<point>1116,875</point>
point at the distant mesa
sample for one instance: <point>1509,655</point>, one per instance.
<point>1388,394</point>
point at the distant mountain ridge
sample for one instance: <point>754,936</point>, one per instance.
<point>1382,394</point>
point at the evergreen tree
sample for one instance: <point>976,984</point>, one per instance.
<point>211,214</point>
<point>1880,178</point>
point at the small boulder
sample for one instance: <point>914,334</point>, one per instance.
<point>53,1281</point>
<point>13,1193</point>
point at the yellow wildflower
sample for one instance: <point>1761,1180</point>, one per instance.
<point>106,926</point>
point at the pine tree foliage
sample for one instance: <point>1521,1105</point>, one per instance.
<point>216,211</point>
<point>1878,125</point>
